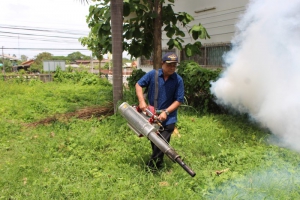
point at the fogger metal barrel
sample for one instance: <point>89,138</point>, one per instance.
<point>142,126</point>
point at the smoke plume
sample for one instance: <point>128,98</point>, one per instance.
<point>262,75</point>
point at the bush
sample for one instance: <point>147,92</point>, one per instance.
<point>135,76</point>
<point>197,86</point>
<point>82,77</point>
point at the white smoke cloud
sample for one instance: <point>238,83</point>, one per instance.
<point>262,75</point>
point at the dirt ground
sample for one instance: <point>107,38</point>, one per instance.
<point>85,113</point>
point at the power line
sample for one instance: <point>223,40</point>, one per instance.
<point>37,35</point>
<point>45,36</point>
<point>52,49</point>
<point>39,39</point>
<point>40,30</point>
<point>31,28</point>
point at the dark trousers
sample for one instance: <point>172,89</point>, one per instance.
<point>157,154</point>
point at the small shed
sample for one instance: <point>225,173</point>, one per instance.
<point>25,65</point>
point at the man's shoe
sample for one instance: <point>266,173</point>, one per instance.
<point>154,165</point>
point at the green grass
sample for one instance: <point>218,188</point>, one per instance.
<point>35,100</point>
<point>104,159</point>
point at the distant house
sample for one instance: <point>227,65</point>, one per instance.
<point>134,64</point>
<point>12,59</point>
<point>127,65</point>
<point>25,65</point>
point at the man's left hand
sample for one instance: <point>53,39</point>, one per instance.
<point>163,116</point>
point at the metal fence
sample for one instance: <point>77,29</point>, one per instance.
<point>149,61</point>
<point>28,77</point>
<point>211,55</point>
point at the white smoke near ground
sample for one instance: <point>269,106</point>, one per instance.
<point>262,75</point>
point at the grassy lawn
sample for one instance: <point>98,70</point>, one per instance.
<point>101,158</point>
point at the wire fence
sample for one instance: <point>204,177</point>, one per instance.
<point>149,61</point>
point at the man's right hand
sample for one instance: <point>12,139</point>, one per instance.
<point>143,105</point>
<point>140,96</point>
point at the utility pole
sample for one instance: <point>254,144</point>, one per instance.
<point>92,64</point>
<point>3,61</point>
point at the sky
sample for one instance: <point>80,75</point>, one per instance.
<point>263,69</point>
<point>31,27</point>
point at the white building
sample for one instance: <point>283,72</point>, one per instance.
<point>217,16</point>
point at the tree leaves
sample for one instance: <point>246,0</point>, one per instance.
<point>192,49</point>
<point>138,32</point>
<point>126,9</point>
<point>184,18</point>
<point>198,31</point>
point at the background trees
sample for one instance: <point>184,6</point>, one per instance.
<point>24,58</point>
<point>138,27</point>
<point>77,56</point>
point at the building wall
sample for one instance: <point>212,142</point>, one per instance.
<point>219,22</point>
<point>218,17</point>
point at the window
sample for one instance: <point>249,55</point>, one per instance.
<point>211,55</point>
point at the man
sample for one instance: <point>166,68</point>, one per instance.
<point>169,96</point>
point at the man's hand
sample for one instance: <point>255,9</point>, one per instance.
<point>143,105</point>
<point>140,96</point>
<point>163,116</point>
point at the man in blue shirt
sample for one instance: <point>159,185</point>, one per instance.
<point>169,97</point>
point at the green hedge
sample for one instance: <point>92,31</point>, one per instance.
<point>197,83</point>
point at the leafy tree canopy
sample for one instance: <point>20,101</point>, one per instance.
<point>138,31</point>
<point>24,58</point>
<point>77,56</point>
<point>48,56</point>
<point>60,58</point>
<point>41,57</point>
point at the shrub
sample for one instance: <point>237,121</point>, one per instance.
<point>82,77</point>
<point>135,76</point>
<point>197,86</point>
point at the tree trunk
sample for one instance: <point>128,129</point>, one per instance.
<point>157,54</point>
<point>117,50</point>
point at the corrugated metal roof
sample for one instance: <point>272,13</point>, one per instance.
<point>27,63</point>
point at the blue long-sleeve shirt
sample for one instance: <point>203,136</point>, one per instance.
<point>168,91</point>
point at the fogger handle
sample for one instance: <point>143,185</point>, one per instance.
<point>185,167</point>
